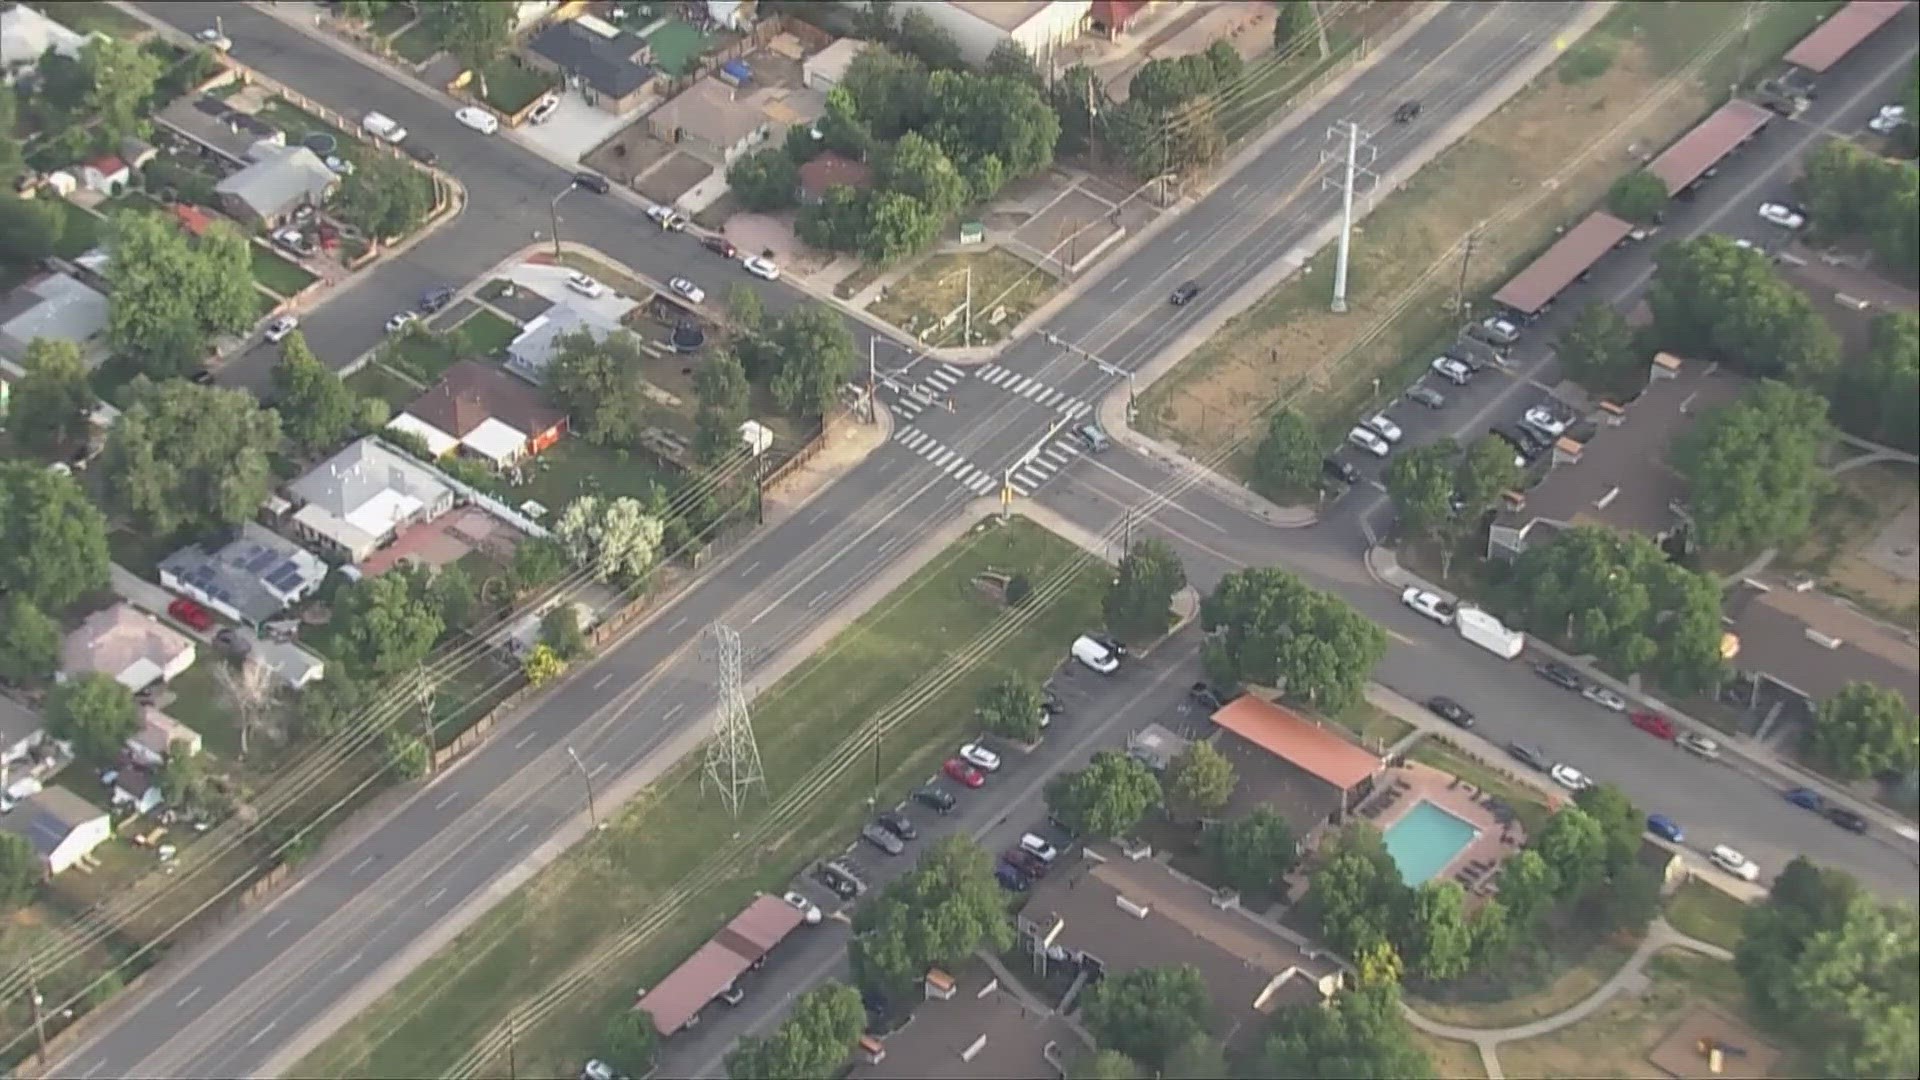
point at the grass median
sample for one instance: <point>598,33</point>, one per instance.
<point>585,907</point>
<point>1627,89</point>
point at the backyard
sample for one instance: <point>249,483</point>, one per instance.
<point>277,274</point>
<point>575,467</point>
<point>511,86</point>
<point>419,44</point>
<point>938,287</point>
<point>1289,347</point>
<point>674,865</point>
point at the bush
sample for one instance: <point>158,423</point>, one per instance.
<point>1018,589</point>
<point>1585,62</point>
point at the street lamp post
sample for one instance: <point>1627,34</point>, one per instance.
<point>593,812</point>
<point>553,209</point>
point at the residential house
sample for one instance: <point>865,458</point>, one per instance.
<point>362,497</point>
<point>1620,476</point>
<point>219,129</point>
<point>1806,646</point>
<point>718,122</point>
<point>481,411</point>
<point>21,731</point>
<point>599,59</point>
<point>980,26</point>
<point>733,15</point>
<point>268,191</point>
<point>26,36</point>
<point>135,787</point>
<point>62,827</point>
<point>249,579</point>
<point>129,646</point>
<point>530,353</point>
<point>106,174</point>
<point>159,737</point>
<point>137,152</point>
<point>973,1027</point>
<point>828,170</point>
<point>294,666</point>
<point>825,69</point>
<point>58,307</point>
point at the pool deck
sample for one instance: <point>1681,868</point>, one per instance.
<point>1473,867</point>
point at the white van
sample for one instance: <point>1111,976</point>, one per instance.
<point>1095,655</point>
<point>381,126</point>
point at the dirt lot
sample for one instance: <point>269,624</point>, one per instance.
<point>673,177</point>
<point>1550,153</point>
<point>628,154</point>
<point>937,287</point>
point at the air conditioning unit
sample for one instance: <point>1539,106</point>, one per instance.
<point>1825,641</point>
<point>1130,907</point>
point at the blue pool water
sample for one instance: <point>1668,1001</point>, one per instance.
<point>1425,840</point>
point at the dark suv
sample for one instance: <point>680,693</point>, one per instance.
<point>593,182</point>
<point>1187,291</point>
<point>1342,471</point>
<point>939,799</point>
<point>1531,755</point>
<point>1559,675</point>
<point>435,299</point>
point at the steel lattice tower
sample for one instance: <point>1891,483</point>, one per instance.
<point>733,757</point>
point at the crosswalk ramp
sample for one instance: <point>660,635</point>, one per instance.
<point>947,460</point>
<point>915,397</point>
<point>1034,390</point>
<point>1052,457</point>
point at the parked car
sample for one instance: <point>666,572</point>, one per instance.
<point>840,877</point>
<point>1665,828</point>
<point>882,839</point>
<point>1097,657</point>
<point>1037,846</point>
<point>1531,755</point>
<point>384,128</point>
<point>1570,778</point>
<point>279,328</point>
<point>1497,331</point>
<point>897,823</point>
<point>1734,863</point>
<point>1888,119</point>
<point>1337,469</point>
<point>961,772</point>
<point>1384,425</point>
<point>544,110</point>
<point>669,219</point>
<point>940,800</point>
<point>478,119</point>
<point>980,757</point>
<point>1093,438</point>
<point>1427,395</point>
<point>694,293</point>
<point>1429,604</point>
<point>1604,698</point>
<point>593,182</point>
<point>401,321</point>
<point>1025,861</point>
<point>1205,697</point>
<point>1452,370</point>
<point>435,299</point>
<point>732,995</point>
<point>1698,744</point>
<point>1365,439</point>
<point>719,245</point>
<point>1807,799</point>
<point>808,910</point>
<point>1549,424</point>
<point>1781,214</point>
<point>761,268</point>
<point>191,614</point>
<point>1560,675</point>
<point>1451,711</point>
<point>1010,877</point>
<point>585,286</point>
<point>1653,724</point>
<point>1186,291</point>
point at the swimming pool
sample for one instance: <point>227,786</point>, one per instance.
<point>1425,840</point>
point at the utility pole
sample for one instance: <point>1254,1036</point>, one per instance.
<point>553,209</point>
<point>34,998</point>
<point>423,695</point>
<point>513,1071</point>
<point>1466,255</point>
<point>593,812</point>
<point>967,330</point>
<point>1355,170</point>
<point>873,379</point>
<point>1740,61</point>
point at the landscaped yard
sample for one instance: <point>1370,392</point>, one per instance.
<point>1572,984</point>
<point>90,16</point>
<point>298,123</point>
<point>392,18</point>
<point>1003,284</point>
<point>376,381</point>
<point>1705,912</point>
<point>271,271</point>
<point>80,232</point>
<point>512,87</point>
<point>485,334</point>
<point>1526,172</point>
<point>1451,1058</point>
<point>576,467</point>
<point>1376,727</point>
<point>201,703</point>
<point>419,44</point>
<point>675,865</point>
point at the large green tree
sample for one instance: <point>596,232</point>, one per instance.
<point>815,1040</point>
<point>1574,848</point>
<point>1865,730</point>
<point>1287,462</point>
<point>1438,935</point>
<point>631,1041</point>
<point>50,407</point>
<point>1105,1065</point>
<point>804,357</point>
<point>597,382</point>
<point>1877,394</point>
<point>1146,1012</point>
<point>185,456</point>
<point>1011,708</point>
<point>21,871</point>
<point>387,624</point>
<point>93,712</point>
<point>53,540</point>
<point>316,409</point>
<point>1753,468</point>
<point>1360,1033</point>
<point>1621,823</point>
<point>618,539</point>
<point>1138,603</point>
<point>120,76</point>
<point>1357,894</point>
<point>29,642</point>
<point>387,197</point>
<point>1598,351</point>
<point>1486,473</point>
<point>1270,629</point>
<point>172,293</point>
<point>943,910</point>
<point>1528,886</point>
<point>1851,192</point>
<point>1714,300</point>
<point>1252,852</point>
<point>721,387</point>
<point>1420,483</point>
<point>1639,197</point>
<point>1200,780</point>
<point>1107,798</point>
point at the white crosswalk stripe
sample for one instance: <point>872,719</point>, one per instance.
<point>1033,390</point>
<point>948,460</point>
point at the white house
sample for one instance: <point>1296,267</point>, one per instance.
<point>362,497</point>
<point>26,35</point>
<point>106,174</point>
<point>62,827</point>
<point>979,26</point>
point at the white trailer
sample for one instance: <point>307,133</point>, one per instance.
<point>1489,633</point>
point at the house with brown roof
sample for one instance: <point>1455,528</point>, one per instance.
<point>974,1027</point>
<point>479,410</point>
<point>159,737</point>
<point>1799,641</point>
<point>830,169</point>
<point>1305,769</point>
<point>129,646</point>
<point>719,122</point>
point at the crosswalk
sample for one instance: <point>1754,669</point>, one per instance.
<point>1053,457</point>
<point>1033,390</point>
<point>946,459</point>
<point>921,395</point>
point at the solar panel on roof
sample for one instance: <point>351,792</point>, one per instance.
<point>260,560</point>
<point>284,579</point>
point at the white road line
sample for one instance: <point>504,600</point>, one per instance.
<point>97,1066</point>
<point>1239,191</point>
<point>1032,481</point>
<point>281,926</point>
<point>824,593</point>
<point>1051,397</point>
<point>359,866</point>
<point>352,960</point>
<point>748,572</point>
<point>1179,260</point>
<point>262,1033</point>
<point>1118,285</point>
<point>517,833</point>
<point>1074,409</point>
<point>901,434</point>
<point>967,475</point>
<point>435,898</point>
<point>1054,453</point>
<point>913,438</point>
<point>527,738</point>
<point>1019,489</point>
<point>673,712</point>
<point>596,770</point>
<point>190,995</point>
<point>946,455</point>
<point>1178,240</point>
<point>677,624</point>
<point>443,803</point>
<point>602,680</point>
<point>958,464</point>
<point>954,372</point>
<point>816,517</point>
<point>889,545</point>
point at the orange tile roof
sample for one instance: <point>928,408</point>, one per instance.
<point>192,218</point>
<point>1293,738</point>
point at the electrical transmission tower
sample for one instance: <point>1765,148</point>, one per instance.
<point>733,757</point>
<point>1354,171</point>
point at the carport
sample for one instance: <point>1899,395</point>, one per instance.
<point>1561,265</point>
<point>1843,31</point>
<point>738,948</point>
<point>1682,165</point>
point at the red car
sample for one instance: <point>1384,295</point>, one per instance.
<point>191,613</point>
<point>720,246</point>
<point>1026,862</point>
<point>964,773</point>
<point>1653,724</point>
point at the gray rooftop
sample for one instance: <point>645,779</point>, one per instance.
<point>49,817</point>
<point>606,64</point>
<point>280,181</point>
<point>58,307</point>
<point>217,125</point>
<point>1815,645</point>
<point>257,573</point>
<point>534,349</point>
<point>17,722</point>
<point>360,474</point>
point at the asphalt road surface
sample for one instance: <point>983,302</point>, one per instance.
<point>230,1008</point>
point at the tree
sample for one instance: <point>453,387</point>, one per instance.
<point>721,387</point>
<point>1139,603</point>
<point>939,913</point>
<point>560,631</point>
<point>1105,1065</point>
<point>919,36</point>
<point>1011,60</point>
<point>1251,853</point>
<point>765,180</point>
<point>407,755</point>
<point>542,665</point>
<point>1146,1012</point>
<point>172,293</point>
<point>1357,894</point>
<point>185,782</point>
<point>325,708</point>
<point>595,381</point>
<point>51,405</point>
<point>1717,301</point>
<point>386,624</point>
<point>387,197</point>
<point>476,34</point>
<point>94,713</point>
<point>1107,798</point>
<point>11,163</point>
<point>29,643</point>
<point>1621,824</point>
<point>121,77</point>
<point>1865,730</point>
<point>1753,468</point>
<point>1377,963</point>
<point>1629,901</point>
<point>185,456</point>
<point>1010,708</point>
<point>618,540</point>
<point>1852,192</point>
<point>53,541</point>
<point>1359,1033</point>
<point>317,411</point>
<point>1292,20</point>
<point>1200,780</point>
<point>30,229</point>
<point>1420,483</point>
<point>814,1041</point>
<point>537,562</point>
<point>249,686</point>
<point>1639,197</point>
<point>1200,1057</point>
<point>919,168</point>
<point>20,871</point>
<point>1439,938</point>
<point>1574,848</point>
<point>1877,395</point>
<point>885,227</point>
<point>631,1041</point>
<point>1272,630</point>
<point>1527,886</point>
<point>1598,350</point>
<point>811,358</point>
<point>1486,472</point>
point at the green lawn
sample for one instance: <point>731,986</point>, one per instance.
<point>1376,727</point>
<point>422,354</point>
<point>511,87</point>
<point>88,16</point>
<point>674,866</point>
<point>485,334</point>
<point>298,123</point>
<point>273,272</point>
<point>201,703</point>
<point>1705,912</point>
<point>377,382</point>
<point>80,232</point>
<point>263,302</point>
<point>419,44</point>
<point>576,467</point>
<point>676,46</point>
<point>391,19</point>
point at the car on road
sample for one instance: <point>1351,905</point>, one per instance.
<point>1604,698</point>
<point>1530,755</point>
<point>191,614</point>
<point>962,773</point>
<point>1888,119</point>
<point>1497,331</point>
<point>383,127</point>
<point>1560,675</point>
<point>1451,711</point>
<point>980,757</point>
<point>1781,214</point>
<point>212,38</point>
<point>1426,395</point>
<point>401,321</point>
<point>1339,470</point>
<point>667,218</point>
<point>1665,828</point>
<point>1698,744</point>
<point>1569,777</point>
<point>1652,723</point>
<point>1093,438</point>
<point>808,910</point>
<point>478,119</point>
<point>1847,819</point>
<point>898,824</point>
<point>1025,861</point>
<point>1406,111</point>
<point>1367,440</point>
<point>1036,845</point>
<point>1734,863</point>
<point>1205,697</point>
<point>585,286</point>
<point>544,111</point>
<point>1010,877</point>
<point>1186,291</point>
<point>761,268</point>
<point>694,293</point>
<point>1432,605</point>
<point>281,327</point>
<point>720,246</point>
<point>1452,370</point>
<point>1384,424</point>
<point>593,182</point>
<point>937,799</point>
<point>435,299</point>
<point>879,837</point>
<point>1806,799</point>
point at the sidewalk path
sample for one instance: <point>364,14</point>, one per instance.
<point>1631,978</point>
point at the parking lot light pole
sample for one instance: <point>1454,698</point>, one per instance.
<point>593,812</point>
